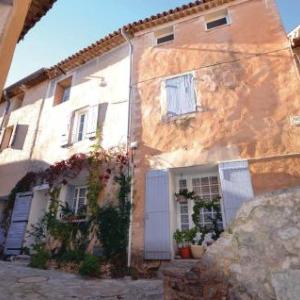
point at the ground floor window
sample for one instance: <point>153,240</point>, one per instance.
<point>205,186</point>
<point>79,199</point>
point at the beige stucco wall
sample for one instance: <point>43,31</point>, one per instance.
<point>247,88</point>
<point>12,18</point>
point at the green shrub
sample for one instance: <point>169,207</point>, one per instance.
<point>71,256</point>
<point>90,266</point>
<point>40,259</point>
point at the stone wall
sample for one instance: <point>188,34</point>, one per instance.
<point>258,258</point>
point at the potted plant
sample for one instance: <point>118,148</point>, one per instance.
<point>181,238</point>
<point>204,232</point>
<point>197,247</point>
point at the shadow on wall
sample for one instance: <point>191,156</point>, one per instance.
<point>11,173</point>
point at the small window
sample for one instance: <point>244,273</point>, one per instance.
<point>7,138</point>
<point>63,90</point>
<point>180,95</point>
<point>79,200</point>
<point>217,19</point>
<point>164,35</point>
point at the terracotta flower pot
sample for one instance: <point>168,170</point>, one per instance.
<point>197,251</point>
<point>185,252</point>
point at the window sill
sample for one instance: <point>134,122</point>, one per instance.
<point>75,143</point>
<point>163,44</point>
<point>74,219</point>
<point>183,117</point>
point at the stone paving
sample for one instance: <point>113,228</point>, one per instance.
<point>19,282</point>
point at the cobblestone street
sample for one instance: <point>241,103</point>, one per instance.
<point>19,282</point>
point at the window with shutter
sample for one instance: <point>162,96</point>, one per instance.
<point>180,95</point>
<point>79,125</point>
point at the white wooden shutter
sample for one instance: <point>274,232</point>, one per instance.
<point>65,135</point>
<point>18,226</point>
<point>92,120</point>
<point>157,216</point>
<point>102,114</point>
<point>70,195</point>
<point>236,187</point>
<point>13,135</point>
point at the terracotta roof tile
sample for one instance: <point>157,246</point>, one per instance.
<point>115,38</point>
<point>38,8</point>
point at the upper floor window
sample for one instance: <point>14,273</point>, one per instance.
<point>217,19</point>
<point>164,35</point>
<point>80,125</point>
<point>63,90</point>
<point>180,95</point>
<point>83,124</point>
<point>13,137</point>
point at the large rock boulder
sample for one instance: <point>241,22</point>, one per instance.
<point>259,257</point>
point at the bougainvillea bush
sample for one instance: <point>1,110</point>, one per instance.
<point>107,215</point>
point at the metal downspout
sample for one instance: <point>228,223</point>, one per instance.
<point>131,166</point>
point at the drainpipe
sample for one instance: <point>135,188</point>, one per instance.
<point>6,98</point>
<point>131,166</point>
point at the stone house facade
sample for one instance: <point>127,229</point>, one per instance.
<point>211,104</point>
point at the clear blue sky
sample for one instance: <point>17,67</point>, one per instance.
<point>74,24</point>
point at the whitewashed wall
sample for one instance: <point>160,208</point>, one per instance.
<point>103,80</point>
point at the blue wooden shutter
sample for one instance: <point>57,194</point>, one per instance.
<point>236,187</point>
<point>157,216</point>
<point>19,221</point>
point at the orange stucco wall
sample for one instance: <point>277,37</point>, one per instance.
<point>247,87</point>
<point>12,18</point>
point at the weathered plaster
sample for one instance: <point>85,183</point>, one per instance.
<point>247,89</point>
